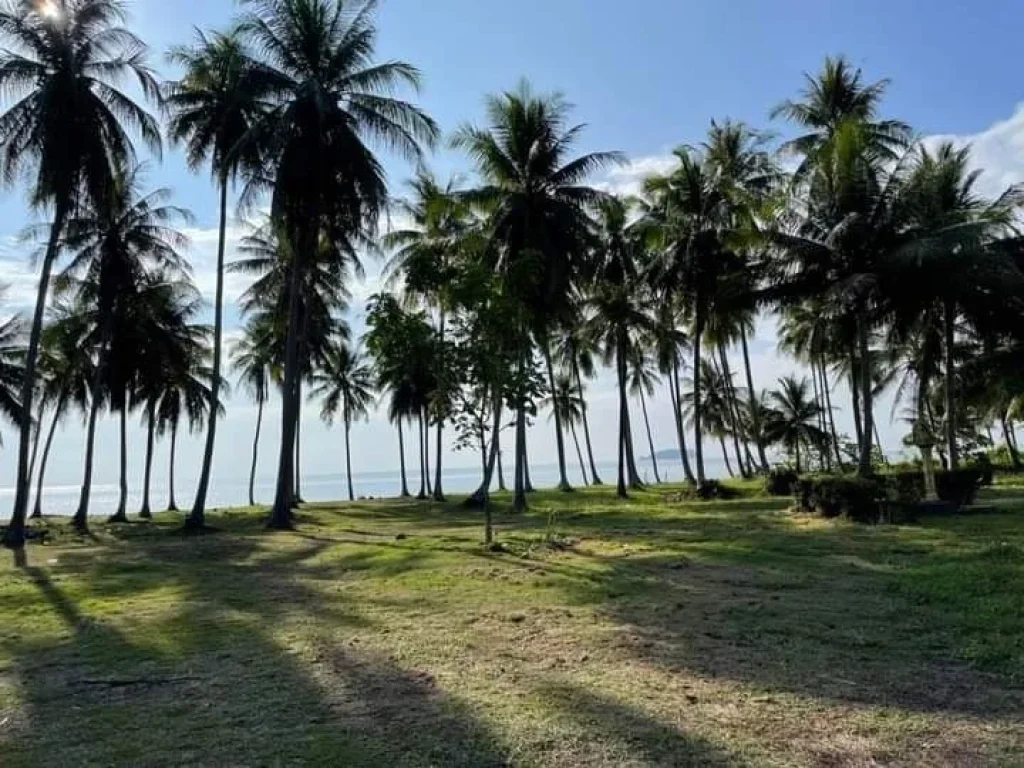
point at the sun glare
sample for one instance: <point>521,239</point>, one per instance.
<point>49,9</point>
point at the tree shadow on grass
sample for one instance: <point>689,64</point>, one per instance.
<point>633,736</point>
<point>219,679</point>
<point>835,627</point>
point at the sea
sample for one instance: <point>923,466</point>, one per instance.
<point>62,500</point>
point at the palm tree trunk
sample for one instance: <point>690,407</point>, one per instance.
<point>481,496</point>
<point>501,458</point>
<point>579,453</point>
<point>81,519</point>
<point>820,417</point>
<point>650,438</point>
<point>423,473</point>
<point>527,483</point>
<point>734,411</point>
<point>826,411</point>
<point>595,479</point>
<point>36,439</point>
<point>37,510</point>
<point>949,333</point>
<point>297,497</point>
<point>755,414</point>
<point>255,451</point>
<point>146,513</point>
<point>698,449</point>
<point>1011,444</point>
<point>725,454</point>
<point>14,536</point>
<point>121,515</point>
<point>620,364</point>
<point>867,394</point>
<point>858,428</point>
<point>348,458</point>
<point>878,444</point>
<point>172,503</point>
<point>631,468</point>
<point>426,451</point>
<point>439,450</point>
<point>563,478</point>
<point>831,416</point>
<point>197,517</point>
<point>684,453</point>
<point>401,460</point>
<point>281,512</point>
<point>796,451</point>
<point>519,474</point>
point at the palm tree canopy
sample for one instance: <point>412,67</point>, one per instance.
<point>344,383</point>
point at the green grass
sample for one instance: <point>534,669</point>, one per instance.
<point>608,633</point>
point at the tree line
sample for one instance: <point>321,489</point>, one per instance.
<point>885,265</point>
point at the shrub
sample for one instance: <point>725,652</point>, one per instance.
<point>958,486</point>
<point>856,498</point>
<point>781,482</point>
<point>709,491</point>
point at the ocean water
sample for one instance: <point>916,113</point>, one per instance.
<point>233,492</point>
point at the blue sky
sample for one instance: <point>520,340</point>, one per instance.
<point>646,76</point>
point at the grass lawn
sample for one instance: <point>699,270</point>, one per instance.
<point>608,634</point>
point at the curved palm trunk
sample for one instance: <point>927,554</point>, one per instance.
<point>14,536</point>
<point>348,459</point>
<point>858,427</point>
<point>563,478</point>
<point>146,513</point>
<point>36,439</point>
<point>482,495</point>
<point>725,455</point>
<point>579,453</point>
<point>527,483</point>
<point>949,332</point>
<point>734,410</point>
<point>831,416</point>
<point>37,510</point>
<point>595,479</point>
<point>81,519</point>
<point>620,364</point>
<point>650,437</point>
<point>121,515</point>
<point>684,452</point>
<point>172,504</point>
<point>698,448</point>
<point>866,385</point>
<point>197,517</point>
<point>401,460</point>
<point>755,415</point>
<point>824,450</point>
<point>255,451</point>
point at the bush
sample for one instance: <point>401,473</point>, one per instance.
<point>711,490</point>
<point>830,496</point>
<point>781,482</point>
<point>958,486</point>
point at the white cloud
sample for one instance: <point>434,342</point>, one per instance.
<point>998,151</point>
<point>628,179</point>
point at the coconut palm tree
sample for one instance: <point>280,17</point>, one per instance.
<point>536,198</point>
<point>574,353</point>
<point>12,368</point>
<point>329,99</point>
<point>57,69</point>
<point>212,108</point>
<point>714,404</point>
<point>253,360</point>
<point>127,252</point>
<point>344,383</point>
<point>569,403</point>
<point>793,422</point>
<point>670,344</point>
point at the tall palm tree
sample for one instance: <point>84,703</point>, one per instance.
<point>426,257</point>
<point>212,108</point>
<point>328,98</point>
<point>536,197</point>
<point>12,368</point>
<point>61,69</point>
<point>253,361</point>
<point>574,353</point>
<point>793,422</point>
<point>670,343</point>
<point>345,384</point>
<point>126,252</point>
<point>714,405</point>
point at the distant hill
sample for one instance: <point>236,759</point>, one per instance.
<point>668,454</point>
